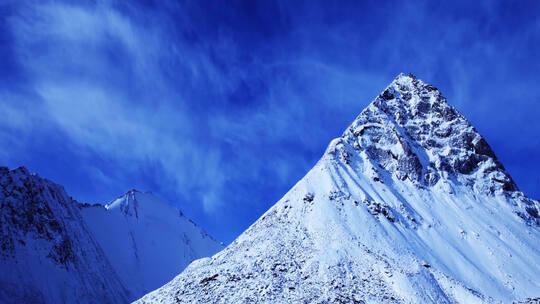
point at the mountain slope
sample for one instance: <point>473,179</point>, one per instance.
<point>54,249</point>
<point>409,205</point>
<point>47,254</point>
<point>146,240</point>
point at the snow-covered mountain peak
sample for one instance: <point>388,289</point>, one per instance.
<point>409,205</point>
<point>126,203</point>
<point>410,129</point>
<point>146,239</point>
<point>411,133</point>
<point>135,203</point>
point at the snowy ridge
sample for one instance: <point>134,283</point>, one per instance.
<point>410,205</point>
<point>54,249</point>
<point>146,240</point>
<point>47,254</point>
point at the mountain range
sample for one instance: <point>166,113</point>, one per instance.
<point>57,250</point>
<point>409,205</point>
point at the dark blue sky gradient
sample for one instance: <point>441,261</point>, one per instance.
<point>220,108</point>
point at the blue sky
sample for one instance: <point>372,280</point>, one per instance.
<point>220,108</point>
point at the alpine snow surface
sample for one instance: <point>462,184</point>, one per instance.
<point>409,205</point>
<point>146,240</point>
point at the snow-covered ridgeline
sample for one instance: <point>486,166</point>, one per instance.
<point>54,249</point>
<point>410,205</point>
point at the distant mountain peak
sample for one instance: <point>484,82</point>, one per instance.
<point>135,203</point>
<point>146,239</point>
<point>127,203</point>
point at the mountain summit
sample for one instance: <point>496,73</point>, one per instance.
<point>409,205</point>
<point>146,240</point>
<point>410,132</point>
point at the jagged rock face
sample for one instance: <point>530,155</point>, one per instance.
<point>25,210</point>
<point>410,205</point>
<point>47,255</point>
<point>411,131</point>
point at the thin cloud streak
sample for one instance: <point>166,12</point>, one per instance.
<point>221,108</point>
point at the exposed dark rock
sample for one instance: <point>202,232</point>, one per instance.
<point>430,88</point>
<point>482,147</point>
<point>309,197</point>
<point>387,95</point>
<point>208,279</point>
<point>468,164</point>
<point>423,107</point>
<point>409,166</point>
<point>532,211</point>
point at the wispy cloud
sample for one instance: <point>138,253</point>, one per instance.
<point>86,64</point>
<point>225,106</point>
